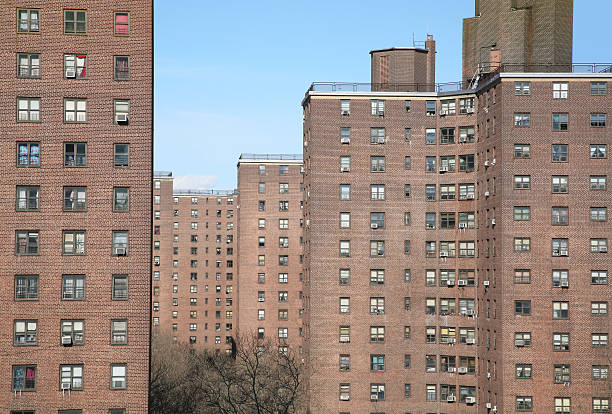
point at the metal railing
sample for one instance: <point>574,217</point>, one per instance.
<point>205,192</point>
<point>387,87</point>
<point>493,67</point>
<point>272,157</point>
<point>162,173</point>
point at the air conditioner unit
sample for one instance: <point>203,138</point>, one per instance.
<point>470,341</point>
<point>494,409</point>
<point>450,283</point>
<point>380,140</point>
<point>488,375</point>
<point>430,226</point>
<point>469,197</point>
<point>556,252</point>
<point>462,370</point>
<point>451,340</point>
<point>443,112</point>
<point>486,109</point>
<point>492,222</point>
<point>381,112</point>
<point>65,386</point>
<point>66,340</point>
<point>374,225</point>
<point>469,312</point>
<point>345,140</point>
<point>443,169</point>
<point>345,112</point>
<point>488,405</point>
<point>519,342</point>
<point>565,283</point>
<point>486,283</point>
<point>494,161</point>
<point>462,282</point>
<point>470,400</point>
<point>563,252</point>
<point>121,118</point>
<point>469,110</point>
<point>443,254</point>
<point>345,169</point>
<point>463,225</point>
<point>451,369</point>
<point>451,399</point>
<point>119,251</point>
<point>344,397</point>
<point>260,299</point>
<point>486,163</point>
<point>603,249</point>
<point>462,140</point>
<point>70,73</point>
<point>487,194</point>
<point>374,397</point>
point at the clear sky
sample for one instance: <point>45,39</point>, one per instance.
<point>230,74</point>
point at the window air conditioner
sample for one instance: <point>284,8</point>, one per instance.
<point>462,140</point>
<point>469,197</point>
<point>556,252</point>
<point>344,397</point>
<point>443,169</point>
<point>469,110</point>
<point>119,251</point>
<point>443,254</point>
<point>70,73</point>
<point>488,375</point>
<point>492,222</point>
<point>462,282</point>
<point>469,312</point>
<point>345,112</point>
<point>488,405</point>
<point>430,226</point>
<point>603,249</point>
<point>563,252</point>
<point>494,161</point>
<point>565,283</point>
<point>486,163</point>
<point>380,140</point>
<point>381,112</point>
<point>450,283</point>
<point>374,225</point>
<point>470,341</point>
<point>443,112</point>
<point>121,118</point>
<point>487,194</point>
<point>486,283</point>
<point>65,386</point>
<point>470,400</point>
<point>344,169</point>
<point>494,409</point>
<point>519,342</point>
<point>463,225</point>
<point>451,399</point>
<point>462,370</point>
<point>66,340</point>
<point>345,140</point>
<point>451,369</point>
<point>374,397</point>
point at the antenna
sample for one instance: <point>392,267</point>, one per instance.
<point>413,41</point>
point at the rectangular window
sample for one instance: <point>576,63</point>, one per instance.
<point>430,108</point>
<point>28,154</point>
<point>27,198</point>
<point>560,310</point>
<point>26,332</point>
<point>377,392</point>
<point>598,120</point>
<point>122,155</point>
<point>522,307</point>
<point>560,122</point>
<point>26,242</point>
<point>466,105</point>
<point>377,363</point>
<point>345,191</point>
<point>599,151</point>
<point>122,111</point>
<point>522,213</point>
<point>448,107</point>
<point>73,287</point>
<point>447,136</point>
<point>345,334</point>
<point>75,110</point>
<point>377,248</point>
<point>599,340</point>
<point>344,276</point>
<point>71,377</point>
<point>24,377</point>
<point>560,278</point>
<point>72,332</point>
<point>601,405</point>
<point>600,372</point>
<point>466,163</point>
<point>599,213</point>
<point>345,392</point>
<point>560,216</point>
<point>122,68</point>
<point>599,89</point>
<point>560,184</point>
<point>28,65</point>
<point>120,287</point>
<point>377,136</point>
<point>75,66</point>
<point>522,244</point>
<point>430,136</point>
<point>122,23</point>
<point>466,134</point>
<point>345,106</point>
<point>75,154</point>
<point>562,405</point>
<point>377,192</point>
<point>119,331</point>
<point>377,220</point>
<point>597,182</point>
<point>522,339</point>
<point>560,247</point>
<point>522,182</point>
<point>560,90</point>
<point>599,245</point>
<point>377,333</point>
<point>345,248</point>
<point>26,287</point>
<point>377,164</point>
<point>121,199</point>
<point>524,403</point>
<point>28,20</point>
<point>522,151</point>
<point>522,119</point>
<point>28,109</point>
<point>378,107</point>
<point>75,199</point>
<point>522,88</point>
<point>75,22</point>
<point>559,153</point>
<point>73,242</point>
<point>408,134</point>
<point>118,376</point>
<point>599,308</point>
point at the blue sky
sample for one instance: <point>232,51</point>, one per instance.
<point>231,80</point>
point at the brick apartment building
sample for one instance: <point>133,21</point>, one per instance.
<point>194,264</point>
<point>76,127</point>
<point>270,222</point>
<point>456,238</point>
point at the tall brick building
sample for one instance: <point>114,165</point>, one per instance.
<point>456,244</point>
<point>531,35</point>
<point>76,127</point>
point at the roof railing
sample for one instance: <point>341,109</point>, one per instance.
<point>271,157</point>
<point>162,173</point>
<point>188,192</point>
<point>387,87</point>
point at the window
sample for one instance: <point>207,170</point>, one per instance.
<point>560,184</point>
<point>377,191</point>
<point>73,330</point>
<point>377,363</point>
<point>377,248</point>
<point>73,287</point>
<point>26,332</point>
<point>75,66</point>
<point>522,119</point>
<point>522,213</point>
<point>430,164</point>
<point>601,405</point>
<point>466,105</point>
<point>27,198</point>
<point>122,155</point>
<point>344,276</point>
<point>430,392</point>
<point>562,405</point>
<point>430,108</point>
<point>447,192</point>
<point>282,333</point>
<point>522,88</point>
<point>118,376</point>
<point>377,333</point>
<point>466,134</point>
<point>448,107</point>
<point>377,136</point>
<point>283,260</point>
<point>377,392</point>
<point>447,136</point>
<point>377,164</point>
<point>466,249</point>
<point>71,376</point>
<point>283,296</point>
<point>24,377</point>
<point>599,245</point>
<point>345,392</point>
<point>524,403</point>
<point>598,182</point>
<point>377,220</point>
<point>122,23</point>
<point>559,153</point>
<point>522,338</point>
<point>599,89</point>
<point>75,110</point>
<point>560,90</point>
<point>121,410</point>
<point>283,224</point>
<point>28,65</point>
<point>345,220</point>
<point>560,310</point>
<point>283,170</point>
<point>407,163</point>
<point>75,199</point>
<point>560,278</point>
<point>345,334</point>
<point>345,362</point>
<point>599,308</point>
<point>28,20</point>
<point>447,164</point>
<point>120,243</point>
<point>283,205</point>
<point>430,136</point>
<point>560,247</point>
<point>28,109</point>
<point>407,332</point>
<point>377,305</point>
<point>466,162</point>
<point>560,216</point>
<point>345,106</point>
<point>408,134</point>
<point>345,248</point>
<point>522,244</point>
<point>522,307</point>
<point>75,22</point>
<point>599,213</point>
<point>122,68</point>
<point>559,122</point>
<point>600,372</point>
<point>599,340</point>
<point>408,105</point>
<point>26,242</point>
<point>522,182</point>
<point>345,135</point>
<point>522,151</point>
<point>345,191</point>
<point>561,374</point>
<point>430,192</point>
<point>26,287</point>
<point>378,107</point>
<point>28,154</point>
<point>599,151</point>
<point>122,111</point>
<point>121,199</point>
<point>120,287</point>
<point>598,120</point>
